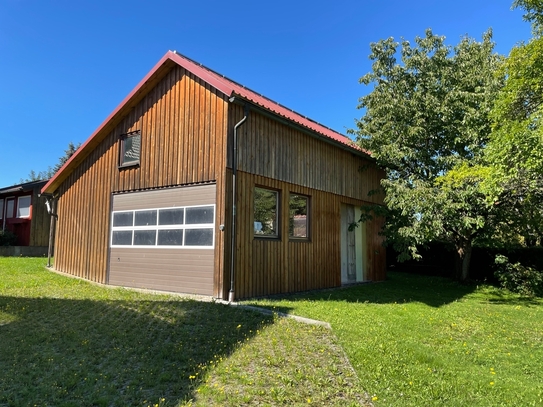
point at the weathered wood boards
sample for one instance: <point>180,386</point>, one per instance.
<point>186,130</point>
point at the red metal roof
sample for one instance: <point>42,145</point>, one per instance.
<point>218,81</point>
<point>231,88</point>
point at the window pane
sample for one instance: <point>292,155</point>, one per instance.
<point>144,218</point>
<point>10,204</point>
<point>199,237</point>
<point>144,237</point>
<point>123,218</point>
<point>170,237</point>
<point>122,237</point>
<point>1,208</point>
<point>131,146</point>
<point>203,214</point>
<point>23,211</point>
<point>265,223</point>
<point>170,216</point>
<point>298,216</point>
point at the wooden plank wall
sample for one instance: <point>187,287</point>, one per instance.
<point>183,129</point>
<point>39,227</point>
<point>275,150</point>
<point>280,156</point>
<point>273,266</point>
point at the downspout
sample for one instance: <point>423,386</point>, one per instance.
<point>233,228</point>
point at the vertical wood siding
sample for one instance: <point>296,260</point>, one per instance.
<point>273,266</point>
<point>282,157</point>
<point>183,129</point>
<point>39,226</point>
<point>184,125</point>
<point>275,150</point>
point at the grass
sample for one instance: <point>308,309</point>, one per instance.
<point>423,341</point>
<point>66,342</point>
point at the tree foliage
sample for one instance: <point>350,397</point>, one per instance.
<point>427,122</point>
<point>46,174</point>
<point>533,14</point>
<point>515,152</point>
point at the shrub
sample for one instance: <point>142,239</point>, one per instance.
<point>7,238</point>
<point>515,277</point>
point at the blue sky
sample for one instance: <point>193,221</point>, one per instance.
<point>65,65</point>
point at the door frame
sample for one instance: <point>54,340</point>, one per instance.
<point>348,214</point>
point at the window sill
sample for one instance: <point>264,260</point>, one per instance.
<point>261,237</point>
<point>12,221</point>
<point>299,239</point>
<point>128,165</point>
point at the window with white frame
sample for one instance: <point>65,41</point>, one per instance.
<point>178,227</point>
<point>23,207</point>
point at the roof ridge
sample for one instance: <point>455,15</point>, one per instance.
<point>256,93</point>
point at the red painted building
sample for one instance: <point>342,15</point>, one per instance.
<point>24,214</point>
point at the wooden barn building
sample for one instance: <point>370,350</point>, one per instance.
<point>24,214</point>
<point>146,201</point>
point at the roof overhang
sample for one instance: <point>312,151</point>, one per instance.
<point>24,187</point>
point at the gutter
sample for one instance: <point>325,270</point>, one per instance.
<point>233,228</point>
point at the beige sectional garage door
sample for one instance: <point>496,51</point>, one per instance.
<point>164,239</point>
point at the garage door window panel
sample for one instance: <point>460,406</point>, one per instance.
<point>165,227</point>
<point>174,216</point>
<point>170,237</point>
<point>145,218</point>
<point>123,219</point>
<point>144,237</point>
<point>199,237</point>
<point>121,238</point>
<point>200,215</point>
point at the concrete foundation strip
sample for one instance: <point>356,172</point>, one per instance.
<point>283,315</point>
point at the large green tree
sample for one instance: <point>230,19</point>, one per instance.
<point>426,122</point>
<point>515,151</point>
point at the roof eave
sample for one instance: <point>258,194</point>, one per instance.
<point>162,67</point>
<point>222,84</point>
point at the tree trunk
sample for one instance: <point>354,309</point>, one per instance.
<point>463,260</point>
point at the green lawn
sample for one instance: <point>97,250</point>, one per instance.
<point>422,341</point>
<point>66,342</point>
<point>413,341</point>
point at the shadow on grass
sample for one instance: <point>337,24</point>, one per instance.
<point>66,352</point>
<point>398,288</point>
<point>505,297</point>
